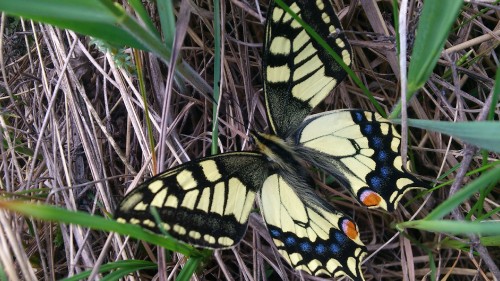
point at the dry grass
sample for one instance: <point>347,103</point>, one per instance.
<point>64,100</point>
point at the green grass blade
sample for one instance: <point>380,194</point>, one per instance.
<point>434,24</point>
<point>496,95</point>
<point>51,213</point>
<point>122,272</point>
<point>489,177</point>
<point>122,268</point>
<point>143,15</point>
<point>89,17</point>
<point>105,20</point>
<point>483,134</point>
<point>217,77</point>
<point>3,275</point>
<point>454,227</point>
<point>433,27</point>
<point>189,268</point>
<point>167,20</point>
<point>464,244</point>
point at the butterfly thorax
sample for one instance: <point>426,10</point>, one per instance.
<point>282,158</point>
<point>277,150</point>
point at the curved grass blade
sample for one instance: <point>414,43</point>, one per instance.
<point>478,133</point>
<point>105,20</point>
<point>56,214</point>
<point>121,269</point>
<point>434,24</point>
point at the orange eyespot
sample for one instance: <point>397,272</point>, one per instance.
<point>370,199</point>
<point>350,229</point>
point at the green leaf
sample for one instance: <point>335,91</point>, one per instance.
<point>433,27</point>
<point>454,227</point>
<point>492,176</point>
<point>496,95</point>
<point>105,20</point>
<point>51,213</point>
<point>121,269</point>
<point>434,24</point>
<point>189,268</point>
<point>464,244</point>
<point>89,17</point>
<point>483,134</point>
<point>167,20</point>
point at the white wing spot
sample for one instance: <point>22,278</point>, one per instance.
<point>140,206</point>
<point>194,234</point>
<point>190,199</point>
<point>179,229</point>
<point>186,180</point>
<point>225,241</point>
<point>155,186</point>
<point>209,238</point>
<point>280,45</point>
<point>204,200</point>
<point>326,18</point>
<point>332,29</point>
<point>320,4</point>
<point>340,43</point>
<point>210,170</point>
<point>149,223</point>
<point>172,201</point>
<point>278,74</point>
<point>346,57</point>
<point>159,199</point>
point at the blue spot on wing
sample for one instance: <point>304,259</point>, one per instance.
<point>368,129</point>
<point>275,233</point>
<point>376,182</point>
<point>340,237</point>
<point>290,241</point>
<point>334,248</point>
<point>358,117</point>
<point>377,142</point>
<point>320,249</point>
<point>382,156</point>
<point>305,246</point>
<point>385,171</point>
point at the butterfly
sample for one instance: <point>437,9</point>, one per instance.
<point>207,202</point>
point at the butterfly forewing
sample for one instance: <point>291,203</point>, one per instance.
<point>309,233</point>
<point>298,72</point>
<point>362,151</point>
<point>205,202</point>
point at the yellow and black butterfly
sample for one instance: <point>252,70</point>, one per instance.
<point>207,202</point>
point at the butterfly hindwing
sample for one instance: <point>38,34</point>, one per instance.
<point>298,72</point>
<point>308,232</point>
<point>362,151</point>
<point>205,202</point>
